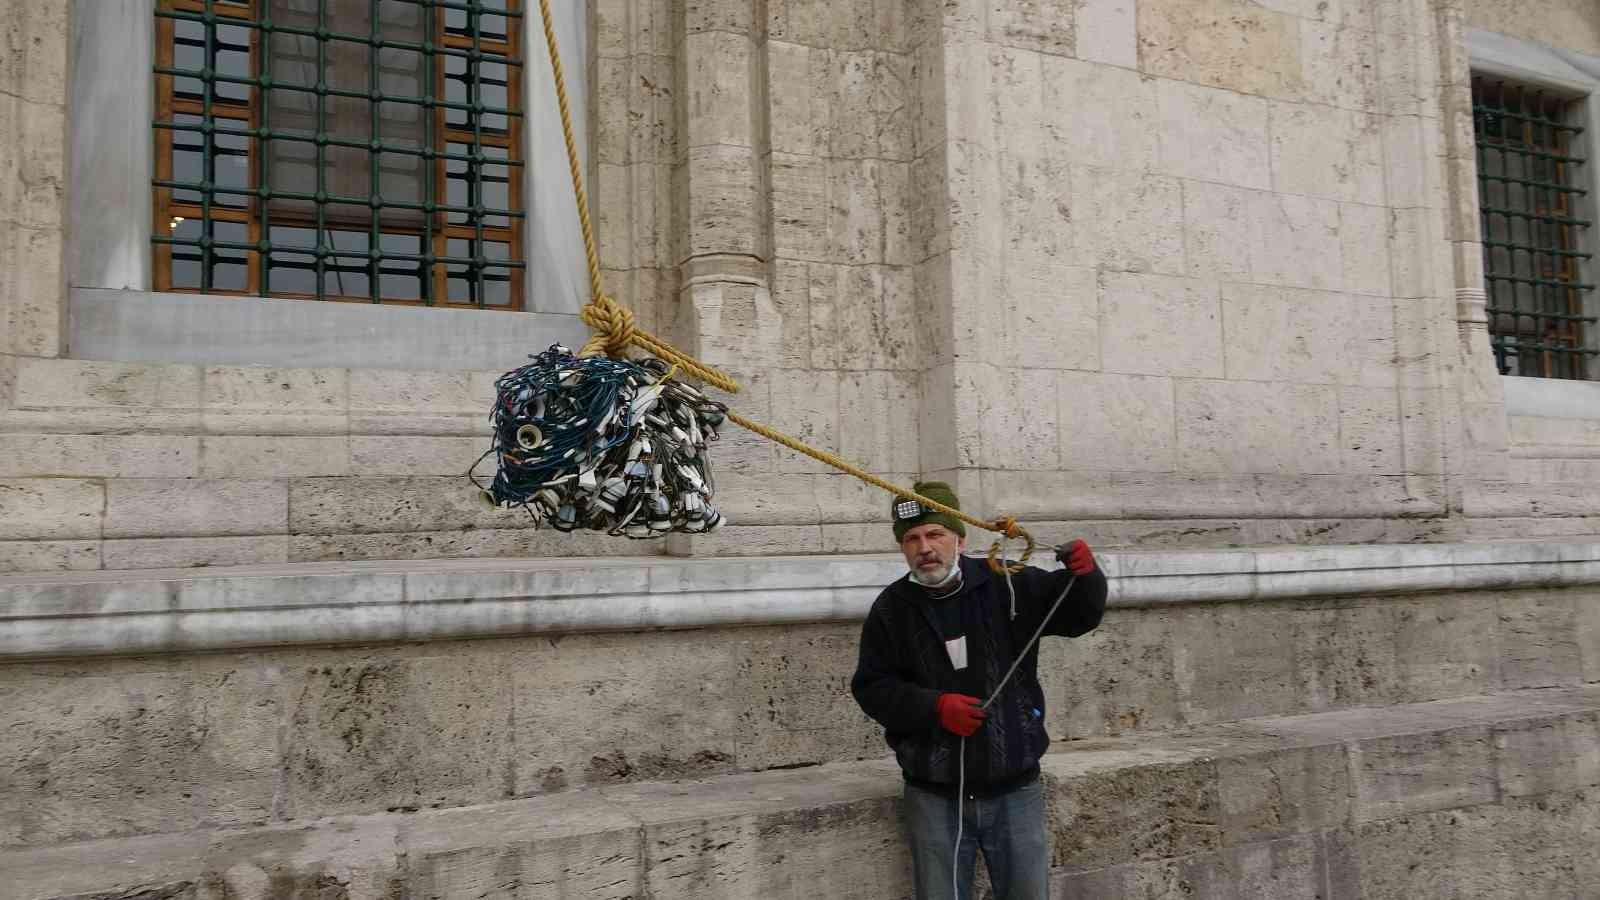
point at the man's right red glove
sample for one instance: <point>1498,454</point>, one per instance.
<point>960,714</point>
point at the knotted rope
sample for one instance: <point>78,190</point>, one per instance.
<point>616,329</point>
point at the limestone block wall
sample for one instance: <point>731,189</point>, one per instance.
<point>794,186</point>
<point>126,465</point>
<point>1197,261</point>
<point>33,183</point>
<point>1202,272</point>
<point>202,732</point>
<point>1569,24</point>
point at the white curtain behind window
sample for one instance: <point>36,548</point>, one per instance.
<point>558,272</point>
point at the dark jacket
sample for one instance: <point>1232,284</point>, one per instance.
<point>903,668</point>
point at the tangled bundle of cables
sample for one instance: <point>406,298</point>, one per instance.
<point>604,444</point>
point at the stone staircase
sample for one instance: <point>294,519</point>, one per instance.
<point>1491,796</point>
<point>1374,722</point>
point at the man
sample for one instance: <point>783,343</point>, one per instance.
<point>936,645</point>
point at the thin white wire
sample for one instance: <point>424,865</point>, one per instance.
<point>961,755</point>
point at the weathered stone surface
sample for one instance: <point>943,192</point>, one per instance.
<point>1042,25</point>
<point>571,847</point>
<point>398,732</point>
<point>1516,848</point>
<point>1319,151</point>
<point>373,504</point>
<point>1257,51</point>
<point>1107,32</point>
<point>814,662</point>
<point>1115,680</point>
<point>1113,121</point>
<point>160,507</point>
<point>131,747</point>
<point>1115,806</point>
<point>736,837</point>
<point>1019,425</point>
<point>1370,431</point>
<point>1252,680</point>
<point>1295,241</point>
<point>1153,325</point>
<point>1282,793</point>
<point>33,555</point>
<point>50,508</point>
<point>1538,643</point>
<point>275,456</point>
<point>1220,231</point>
<point>1367,234</point>
<point>98,456</point>
<point>72,383</point>
<point>39,170</point>
<point>178,552</point>
<point>1569,24</point>
<point>1277,869</point>
<point>507,538</point>
<point>1251,809</point>
<point>1339,65</point>
<point>1124,422</point>
<point>1300,336</point>
<point>1242,426</point>
<point>1214,135</point>
<point>717,85</point>
<point>1419,773</point>
<point>1127,221</point>
<point>648,714</point>
<point>1544,756</point>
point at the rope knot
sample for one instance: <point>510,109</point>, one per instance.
<point>1008,527</point>
<point>613,324</point>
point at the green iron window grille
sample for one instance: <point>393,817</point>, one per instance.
<point>356,150</point>
<point>1540,306</point>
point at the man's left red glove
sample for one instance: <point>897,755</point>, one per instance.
<point>1077,557</point>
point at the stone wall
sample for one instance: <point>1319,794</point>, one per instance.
<point>1568,24</point>
<point>168,742</point>
<point>1049,252</point>
<point>33,178</point>
<point>1198,249</point>
<point>1205,274</point>
<point>1364,734</point>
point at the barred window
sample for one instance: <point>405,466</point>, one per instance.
<point>356,150</point>
<point>1535,231</point>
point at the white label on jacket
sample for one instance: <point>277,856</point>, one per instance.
<point>958,652</point>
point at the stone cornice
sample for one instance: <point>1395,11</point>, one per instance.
<point>166,611</point>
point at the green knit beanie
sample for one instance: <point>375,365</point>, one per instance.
<point>908,514</point>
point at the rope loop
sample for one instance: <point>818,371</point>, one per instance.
<point>1009,530</point>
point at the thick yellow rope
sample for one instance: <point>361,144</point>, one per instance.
<point>615,329</point>
<point>613,323</point>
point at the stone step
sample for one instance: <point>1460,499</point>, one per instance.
<point>171,700</point>
<point>1488,796</point>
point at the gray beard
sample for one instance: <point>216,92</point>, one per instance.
<point>948,577</point>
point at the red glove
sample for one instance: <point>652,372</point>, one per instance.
<point>1076,557</point>
<point>960,714</point>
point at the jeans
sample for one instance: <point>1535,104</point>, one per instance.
<point>1008,828</point>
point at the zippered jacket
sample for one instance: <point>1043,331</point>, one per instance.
<point>904,666</point>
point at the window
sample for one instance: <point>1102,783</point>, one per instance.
<point>356,150</point>
<point>1535,230</point>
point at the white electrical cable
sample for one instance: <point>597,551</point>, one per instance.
<point>961,757</point>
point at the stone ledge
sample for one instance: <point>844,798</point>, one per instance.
<point>1320,782</point>
<point>159,611</point>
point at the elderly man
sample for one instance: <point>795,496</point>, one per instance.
<point>935,646</point>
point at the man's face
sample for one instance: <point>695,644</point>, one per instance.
<point>930,552</point>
